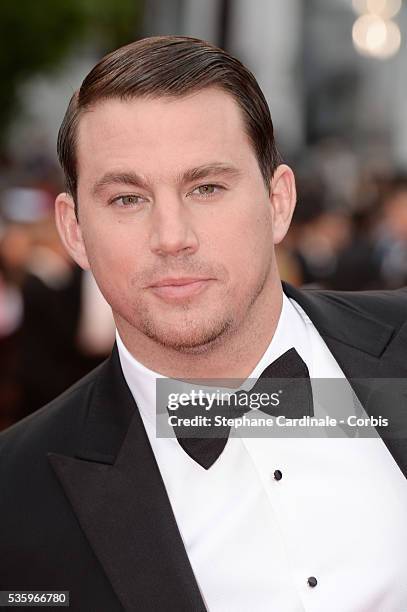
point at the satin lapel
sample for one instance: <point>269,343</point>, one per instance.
<point>364,348</point>
<point>117,493</point>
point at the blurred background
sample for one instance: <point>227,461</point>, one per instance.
<point>334,73</point>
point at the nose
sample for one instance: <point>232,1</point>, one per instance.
<point>171,228</point>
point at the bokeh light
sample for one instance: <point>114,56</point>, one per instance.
<point>375,37</point>
<point>384,8</point>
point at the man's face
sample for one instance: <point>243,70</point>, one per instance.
<point>174,214</point>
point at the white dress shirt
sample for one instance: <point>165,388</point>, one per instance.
<point>338,514</point>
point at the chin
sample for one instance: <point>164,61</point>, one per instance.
<point>194,339</point>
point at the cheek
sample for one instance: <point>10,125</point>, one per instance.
<point>113,256</point>
<point>244,244</point>
<point>252,232</point>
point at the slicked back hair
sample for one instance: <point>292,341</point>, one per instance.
<point>169,66</point>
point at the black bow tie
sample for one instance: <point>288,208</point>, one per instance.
<point>297,403</point>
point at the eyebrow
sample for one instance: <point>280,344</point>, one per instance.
<point>216,169</point>
<point>190,175</point>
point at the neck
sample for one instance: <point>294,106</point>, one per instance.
<point>235,356</point>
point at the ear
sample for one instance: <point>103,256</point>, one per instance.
<point>283,197</point>
<point>69,229</point>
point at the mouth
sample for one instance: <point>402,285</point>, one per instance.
<point>179,288</point>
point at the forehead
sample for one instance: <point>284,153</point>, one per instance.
<point>161,135</point>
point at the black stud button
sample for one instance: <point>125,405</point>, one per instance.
<point>312,581</point>
<point>278,475</point>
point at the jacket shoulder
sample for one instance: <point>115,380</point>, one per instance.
<point>53,428</point>
<point>387,306</point>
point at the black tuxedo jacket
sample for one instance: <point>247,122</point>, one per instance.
<point>83,507</point>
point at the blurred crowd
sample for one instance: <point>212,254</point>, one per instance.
<point>337,248</point>
<point>349,232</point>
<point>54,324</point>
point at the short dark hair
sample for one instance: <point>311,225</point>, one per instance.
<point>169,66</point>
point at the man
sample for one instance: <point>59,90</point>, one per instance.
<point>176,196</point>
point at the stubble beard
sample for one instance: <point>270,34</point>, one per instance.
<point>198,337</point>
